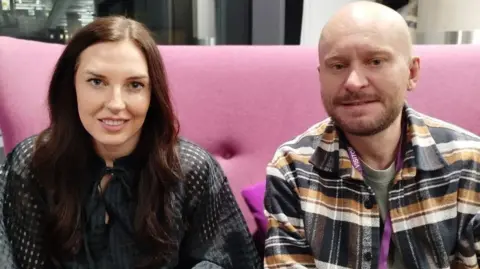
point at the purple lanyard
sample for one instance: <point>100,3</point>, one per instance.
<point>387,230</point>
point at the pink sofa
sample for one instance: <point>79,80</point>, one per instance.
<point>240,102</point>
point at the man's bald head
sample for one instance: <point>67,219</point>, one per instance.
<point>366,67</point>
<point>365,16</point>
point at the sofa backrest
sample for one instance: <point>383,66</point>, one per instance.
<point>240,102</point>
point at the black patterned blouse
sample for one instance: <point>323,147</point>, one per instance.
<point>211,233</point>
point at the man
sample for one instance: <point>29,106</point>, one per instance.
<point>377,185</point>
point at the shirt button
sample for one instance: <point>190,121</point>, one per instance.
<point>368,203</point>
<point>368,256</point>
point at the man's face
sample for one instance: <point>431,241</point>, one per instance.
<point>364,76</point>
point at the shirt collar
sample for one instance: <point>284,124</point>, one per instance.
<point>419,150</point>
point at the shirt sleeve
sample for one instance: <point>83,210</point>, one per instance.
<point>475,223</point>
<point>20,236</point>
<point>217,236</point>
<point>6,255</point>
<point>475,232</point>
<point>468,206</point>
<point>470,194</point>
<point>285,246</point>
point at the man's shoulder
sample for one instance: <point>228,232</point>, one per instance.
<point>303,145</point>
<point>452,141</point>
<point>447,132</point>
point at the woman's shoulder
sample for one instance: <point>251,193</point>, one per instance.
<point>16,175</point>
<point>199,167</point>
<point>20,157</point>
<point>194,158</point>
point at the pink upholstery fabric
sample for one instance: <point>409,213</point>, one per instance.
<point>239,103</point>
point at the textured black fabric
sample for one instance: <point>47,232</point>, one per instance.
<point>212,232</point>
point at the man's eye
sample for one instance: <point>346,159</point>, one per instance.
<point>376,61</point>
<point>338,66</point>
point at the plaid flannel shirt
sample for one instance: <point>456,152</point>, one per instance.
<point>322,214</point>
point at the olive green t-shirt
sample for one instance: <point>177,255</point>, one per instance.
<point>380,182</point>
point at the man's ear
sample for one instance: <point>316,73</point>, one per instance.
<point>414,68</point>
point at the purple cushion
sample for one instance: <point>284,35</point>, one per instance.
<point>253,196</point>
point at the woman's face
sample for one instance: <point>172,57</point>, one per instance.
<point>113,96</point>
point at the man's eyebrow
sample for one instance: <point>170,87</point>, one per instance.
<point>334,57</point>
<point>378,50</point>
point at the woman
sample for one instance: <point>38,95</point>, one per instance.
<point>110,184</point>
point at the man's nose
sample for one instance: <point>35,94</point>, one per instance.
<point>356,80</point>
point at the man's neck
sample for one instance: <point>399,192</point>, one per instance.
<point>380,150</point>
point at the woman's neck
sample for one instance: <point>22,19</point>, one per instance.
<point>109,153</point>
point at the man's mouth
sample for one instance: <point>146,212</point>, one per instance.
<point>357,102</point>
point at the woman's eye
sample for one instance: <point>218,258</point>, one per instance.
<point>136,85</point>
<point>95,82</point>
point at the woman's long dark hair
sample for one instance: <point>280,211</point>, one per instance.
<point>60,160</point>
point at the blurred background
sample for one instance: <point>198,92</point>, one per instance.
<point>174,22</point>
<point>231,22</point>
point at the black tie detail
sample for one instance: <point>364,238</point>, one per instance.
<point>98,205</point>
<point>122,175</point>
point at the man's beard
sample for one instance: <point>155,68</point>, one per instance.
<point>361,127</point>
